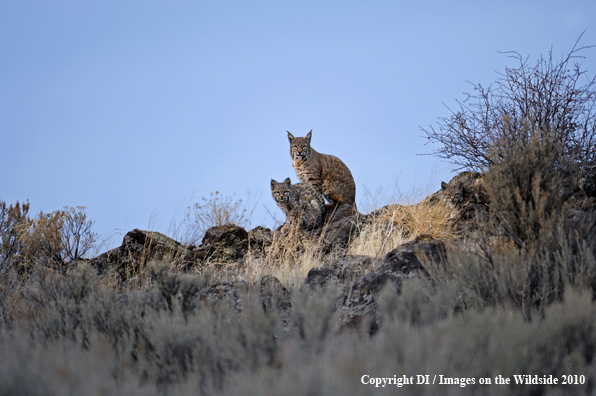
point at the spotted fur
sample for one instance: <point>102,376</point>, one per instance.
<point>326,173</point>
<point>463,191</point>
<point>303,205</point>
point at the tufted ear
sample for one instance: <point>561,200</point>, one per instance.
<point>308,136</point>
<point>290,136</point>
<point>288,181</point>
<point>443,185</point>
<point>274,183</point>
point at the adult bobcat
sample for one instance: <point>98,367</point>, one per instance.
<point>326,173</point>
<point>303,205</point>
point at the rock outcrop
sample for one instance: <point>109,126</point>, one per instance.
<point>360,278</point>
<point>137,249</point>
<point>223,243</point>
<point>339,227</point>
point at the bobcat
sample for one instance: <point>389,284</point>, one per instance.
<point>303,205</point>
<point>464,192</point>
<point>326,173</point>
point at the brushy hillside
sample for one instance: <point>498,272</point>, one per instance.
<point>223,326</point>
<point>492,277</point>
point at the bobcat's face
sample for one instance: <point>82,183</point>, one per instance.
<point>453,195</point>
<point>281,191</point>
<point>300,147</point>
<point>466,188</point>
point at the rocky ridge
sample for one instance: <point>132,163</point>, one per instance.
<point>359,278</point>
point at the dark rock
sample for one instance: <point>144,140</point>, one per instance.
<point>359,300</point>
<point>406,258</point>
<point>106,260</point>
<point>339,227</point>
<point>338,213</point>
<point>362,278</point>
<point>224,243</point>
<point>341,270</point>
<point>138,247</point>
<point>318,277</point>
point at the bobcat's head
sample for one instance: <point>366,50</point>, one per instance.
<point>464,190</point>
<point>300,147</point>
<point>281,191</point>
<point>453,194</point>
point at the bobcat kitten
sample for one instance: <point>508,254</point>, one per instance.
<point>466,187</point>
<point>301,203</point>
<point>465,194</point>
<point>326,173</point>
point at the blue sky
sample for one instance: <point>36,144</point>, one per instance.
<point>134,109</point>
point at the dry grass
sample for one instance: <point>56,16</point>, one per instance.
<point>396,224</point>
<point>289,258</point>
<point>378,238</point>
<point>423,218</point>
<point>157,335</point>
<point>293,254</point>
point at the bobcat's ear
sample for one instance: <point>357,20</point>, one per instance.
<point>288,181</point>
<point>308,136</point>
<point>290,136</point>
<point>273,183</point>
<point>443,185</point>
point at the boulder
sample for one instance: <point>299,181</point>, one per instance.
<point>342,270</point>
<point>406,258</point>
<point>340,225</point>
<point>222,243</point>
<point>138,247</point>
<point>363,277</point>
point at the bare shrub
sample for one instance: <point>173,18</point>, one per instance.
<point>533,133</point>
<point>525,253</point>
<point>77,237</point>
<point>54,239</point>
<point>217,210</point>
<point>551,97</point>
